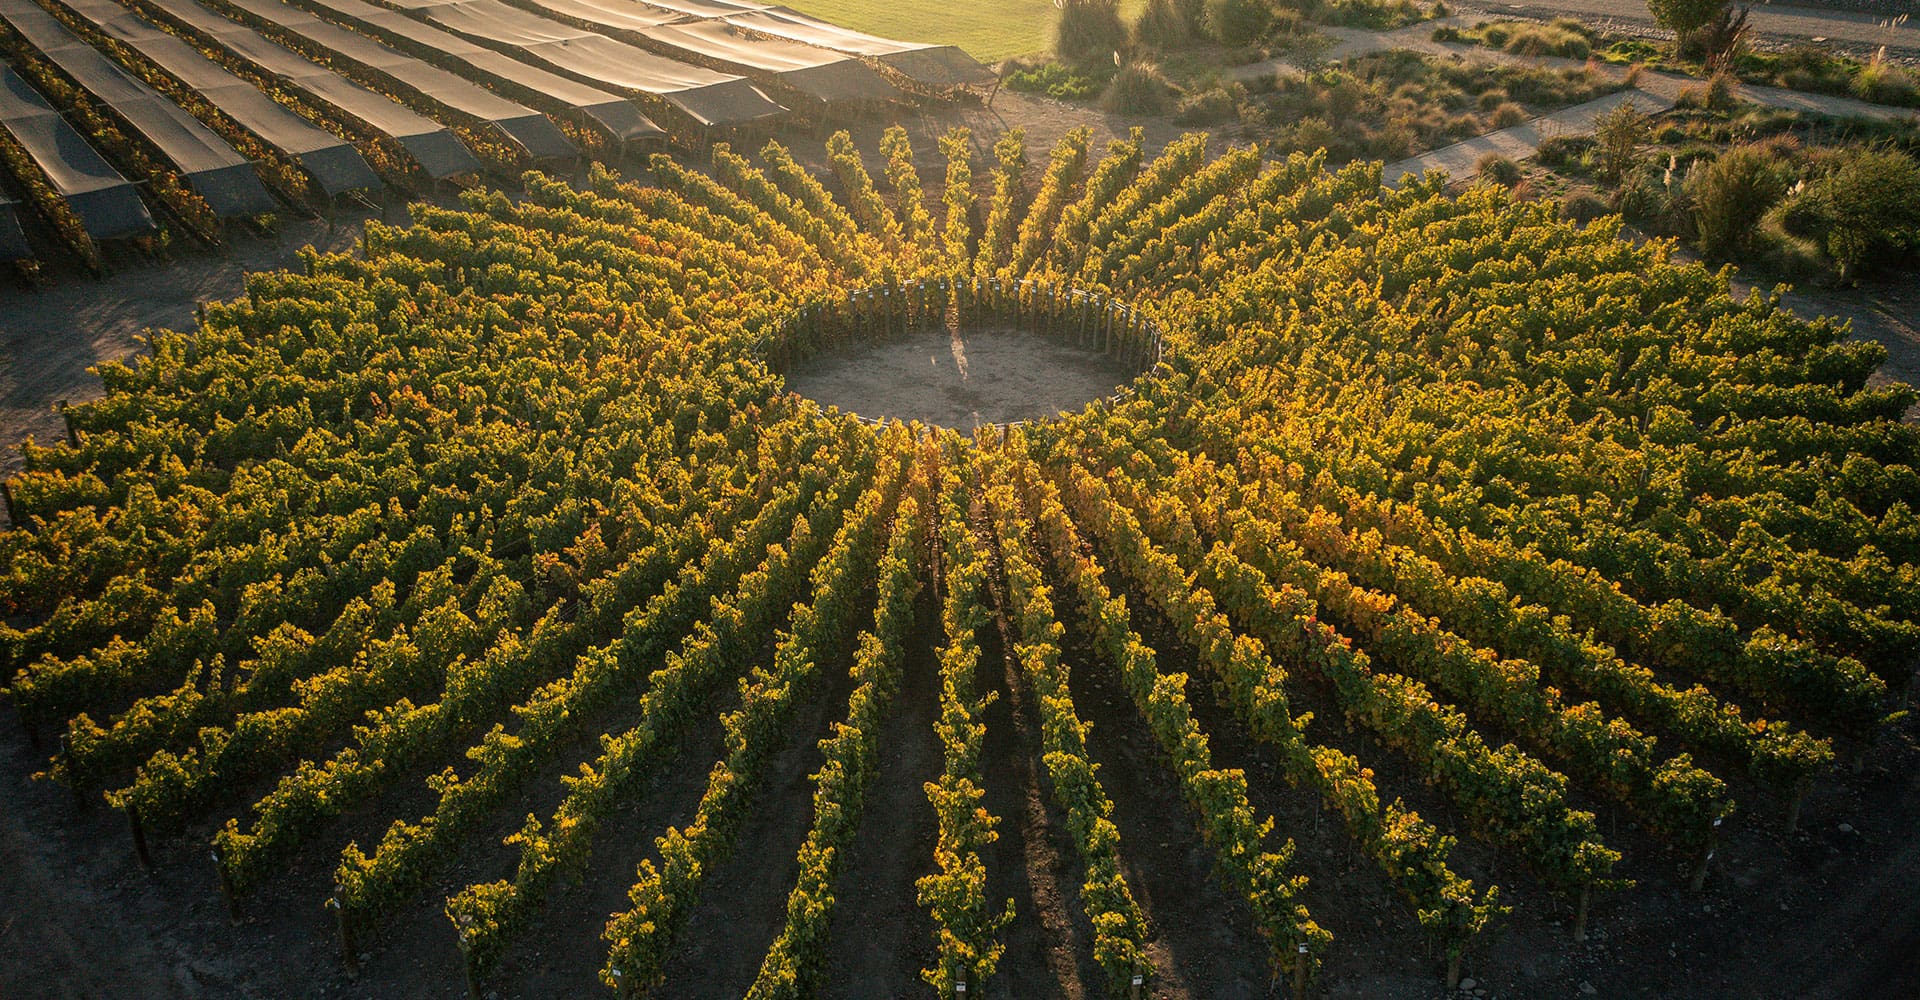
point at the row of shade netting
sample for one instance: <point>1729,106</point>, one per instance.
<point>334,164</point>
<point>209,164</point>
<point>525,127</point>
<point>686,53</point>
<point>432,145</point>
<point>106,203</point>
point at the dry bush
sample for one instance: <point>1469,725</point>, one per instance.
<point>1509,114</point>
<point>1138,89</point>
<point>1088,30</point>
<point>1499,169</point>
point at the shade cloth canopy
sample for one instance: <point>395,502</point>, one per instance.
<point>706,96</point>
<point>617,115</point>
<point>105,202</point>
<point>821,74</point>
<point>438,151</point>
<point>213,168</point>
<point>525,126</point>
<point>332,161</point>
<point>934,65</point>
<point>707,8</point>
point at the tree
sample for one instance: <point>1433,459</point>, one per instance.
<point>1684,17</point>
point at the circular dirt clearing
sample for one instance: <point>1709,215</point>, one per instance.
<point>984,376</point>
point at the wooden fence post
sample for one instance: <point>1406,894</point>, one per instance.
<point>1699,879</point>
<point>227,894</point>
<point>1800,790</point>
<point>349,952</point>
<point>6,492</point>
<point>139,836</point>
<point>80,798</point>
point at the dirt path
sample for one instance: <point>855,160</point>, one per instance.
<point>880,938</point>
<point>560,954</point>
<point>743,903</point>
<point>84,946</point>
<point>1781,22</point>
<point>1050,942</point>
<point>1203,943</point>
<point>1521,141</point>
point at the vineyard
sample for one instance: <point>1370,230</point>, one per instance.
<point>492,572</point>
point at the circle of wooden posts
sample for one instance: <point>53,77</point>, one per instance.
<point>1089,319</point>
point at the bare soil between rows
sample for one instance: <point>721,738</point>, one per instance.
<point>1832,911</point>
<point>992,375</point>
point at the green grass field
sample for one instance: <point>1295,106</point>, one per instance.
<point>989,30</point>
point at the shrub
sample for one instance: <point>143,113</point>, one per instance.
<point>1618,135</point>
<point>1162,26</point>
<point>1379,15</point>
<point>1783,253</point>
<point>1547,40</point>
<point>1138,89</point>
<point>1394,142</point>
<point>1211,106</point>
<point>1508,114</point>
<point>1238,22</point>
<point>1563,151</point>
<point>1865,212</point>
<point>1288,24</point>
<point>1684,17</point>
<point>1311,133</point>
<point>1535,85</point>
<point>1809,67</point>
<point>1884,83</point>
<point>1646,198</point>
<point>1499,169</point>
<point>1631,50</point>
<point>1056,80</point>
<point>1729,197</point>
<point>1583,207</point>
<point>1088,30</point>
<point>1721,40</point>
<point>1719,96</point>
